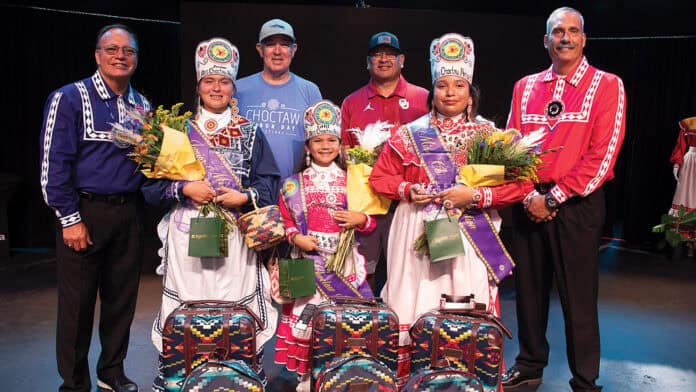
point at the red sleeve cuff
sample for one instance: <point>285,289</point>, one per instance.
<point>527,199</point>
<point>289,232</point>
<point>365,226</point>
<point>485,198</point>
<point>558,194</point>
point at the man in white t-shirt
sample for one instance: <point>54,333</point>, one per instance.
<point>276,98</point>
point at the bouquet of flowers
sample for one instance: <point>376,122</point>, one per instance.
<point>160,144</point>
<point>370,142</point>
<point>361,158</point>
<point>493,159</point>
<point>502,156</point>
<point>678,228</point>
<point>360,195</point>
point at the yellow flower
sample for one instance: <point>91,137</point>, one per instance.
<point>498,136</point>
<point>510,134</point>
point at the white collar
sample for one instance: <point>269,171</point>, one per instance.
<point>323,169</point>
<point>222,119</point>
<point>454,119</point>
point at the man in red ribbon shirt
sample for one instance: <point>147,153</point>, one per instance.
<point>558,227</point>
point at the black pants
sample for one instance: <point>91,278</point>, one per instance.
<point>112,267</point>
<point>567,249</point>
<point>374,247</point>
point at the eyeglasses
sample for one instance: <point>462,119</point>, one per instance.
<point>113,50</point>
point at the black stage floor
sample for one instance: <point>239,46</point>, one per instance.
<point>647,320</point>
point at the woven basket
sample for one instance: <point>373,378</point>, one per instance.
<point>262,228</point>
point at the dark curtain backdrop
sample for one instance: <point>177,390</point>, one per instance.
<point>48,49</point>
<point>332,44</point>
<point>661,90</point>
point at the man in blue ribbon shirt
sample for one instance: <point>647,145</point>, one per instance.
<point>92,186</point>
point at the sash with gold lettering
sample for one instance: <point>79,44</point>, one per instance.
<point>329,284</point>
<point>217,169</point>
<point>475,223</point>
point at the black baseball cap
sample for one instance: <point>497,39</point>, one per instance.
<point>384,38</point>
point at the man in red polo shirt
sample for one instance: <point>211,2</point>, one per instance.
<point>386,97</point>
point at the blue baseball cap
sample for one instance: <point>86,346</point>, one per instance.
<point>384,38</point>
<point>276,27</point>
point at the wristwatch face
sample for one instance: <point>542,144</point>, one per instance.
<point>550,201</point>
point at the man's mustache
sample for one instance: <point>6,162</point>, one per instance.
<point>565,45</point>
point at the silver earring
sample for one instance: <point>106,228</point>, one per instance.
<point>308,159</point>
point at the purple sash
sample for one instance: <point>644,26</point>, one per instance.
<point>217,169</point>
<point>329,284</point>
<point>475,223</point>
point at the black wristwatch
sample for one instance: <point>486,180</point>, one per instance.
<point>550,201</point>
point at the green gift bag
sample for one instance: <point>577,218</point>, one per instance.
<point>296,277</point>
<point>208,237</point>
<point>444,240</point>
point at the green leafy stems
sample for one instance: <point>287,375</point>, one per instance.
<point>358,155</point>
<point>171,118</point>
<point>674,226</point>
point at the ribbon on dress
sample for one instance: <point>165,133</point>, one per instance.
<point>217,170</point>
<point>474,223</point>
